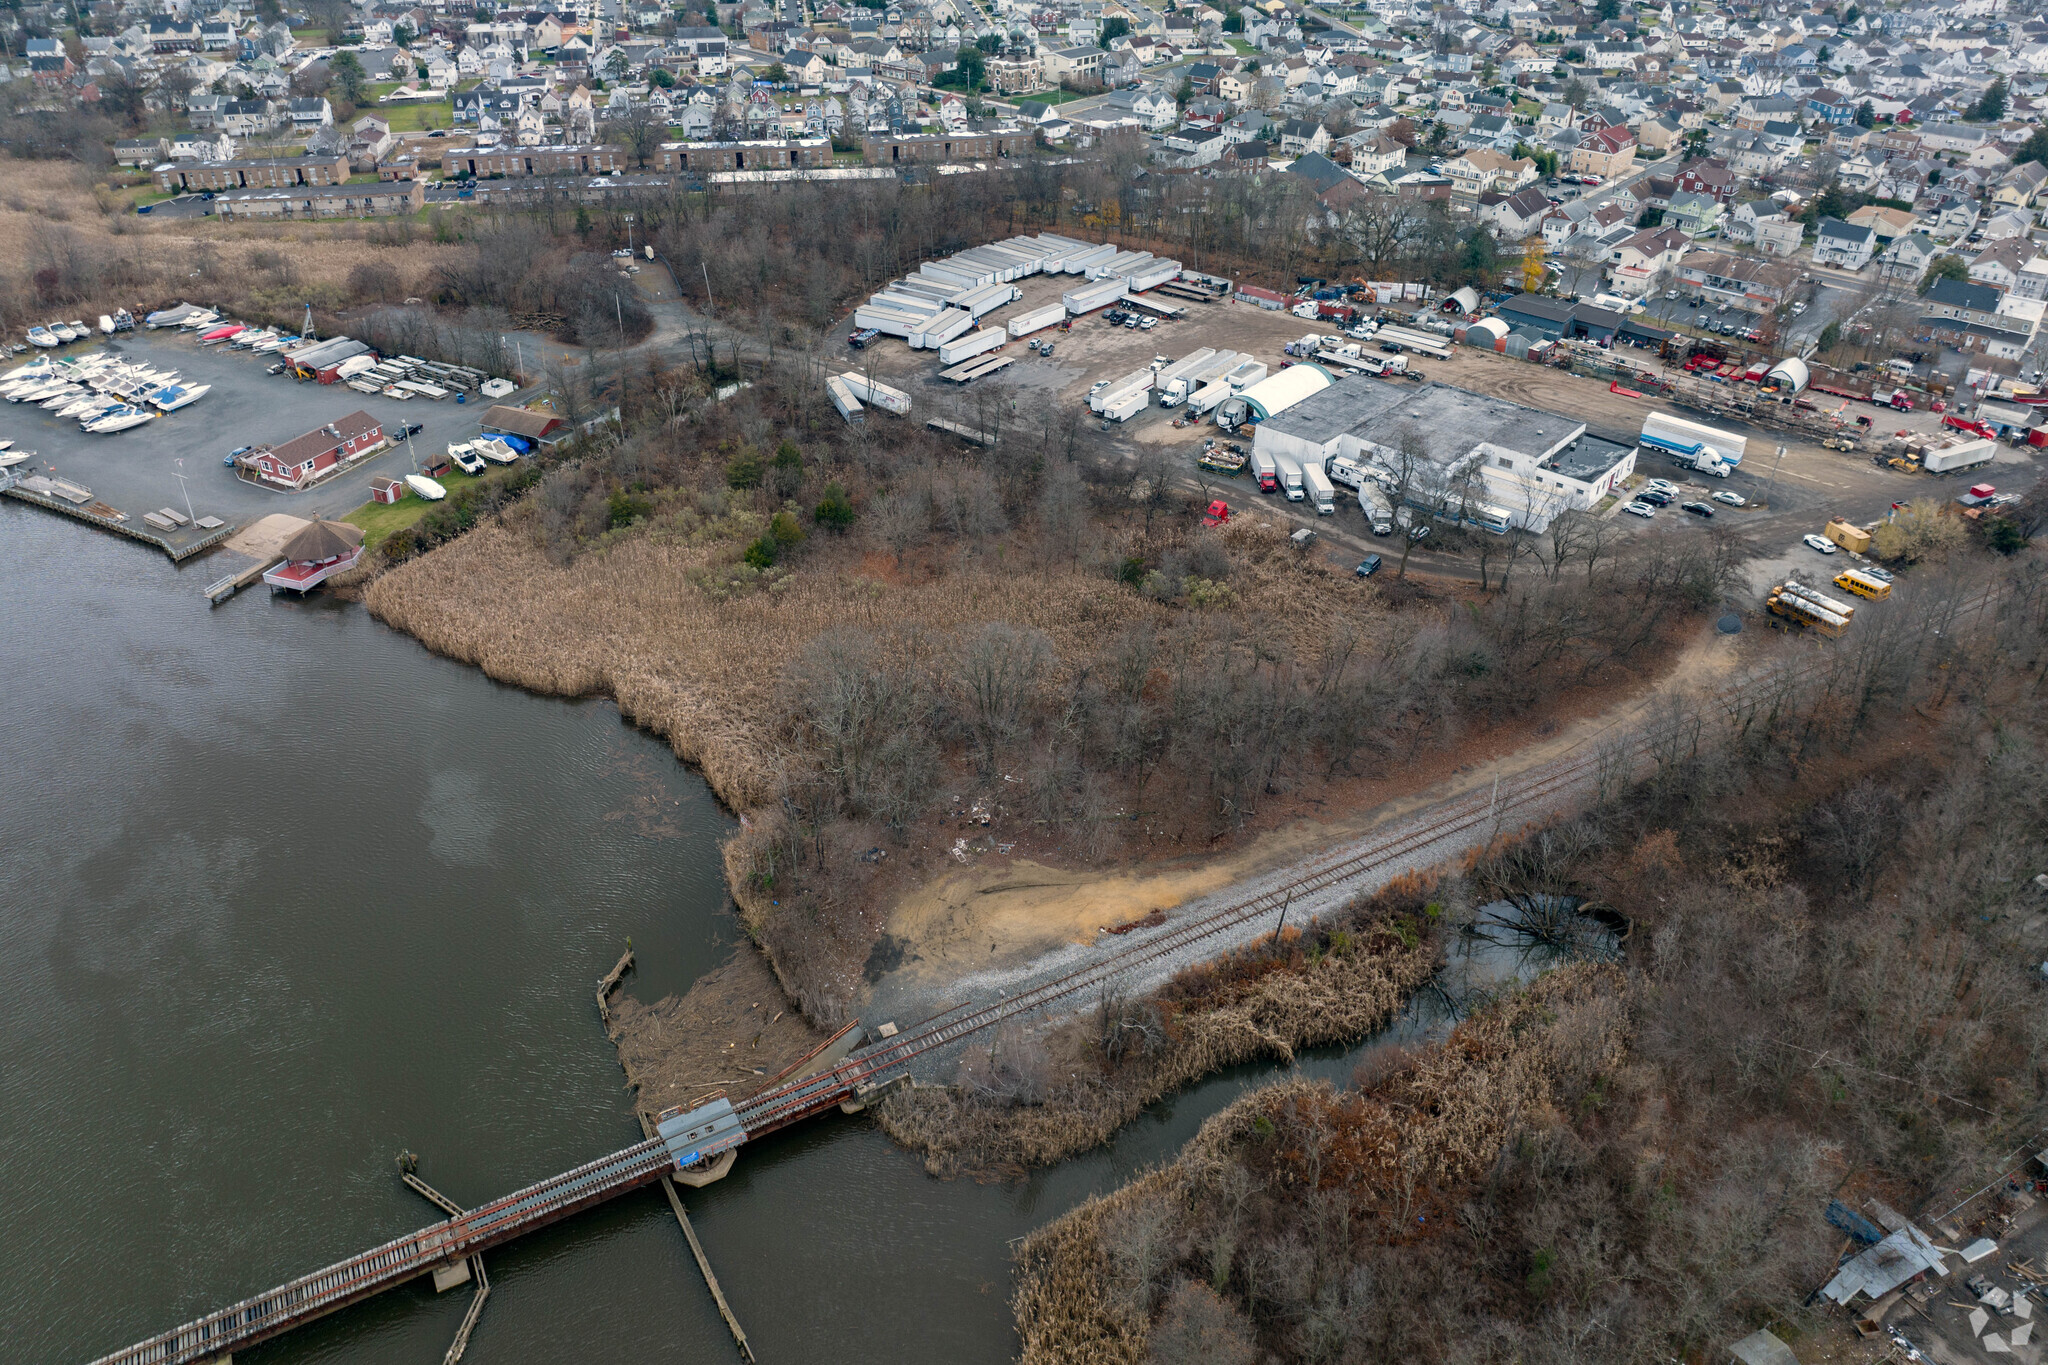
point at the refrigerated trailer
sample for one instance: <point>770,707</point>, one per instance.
<point>1127,406</point>
<point>1205,399</point>
<point>1139,381</point>
<point>1706,449</point>
<point>974,343</point>
<point>843,399</point>
<point>1037,320</point>
<point>1090,297</point>
<point>876,394</point>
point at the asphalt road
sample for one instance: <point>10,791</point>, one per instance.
<point>136,470</point>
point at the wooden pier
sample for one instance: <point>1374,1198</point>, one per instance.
<point>172,544</point>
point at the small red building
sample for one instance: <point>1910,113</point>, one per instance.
<point>304,459</point>
<point>386,490</point>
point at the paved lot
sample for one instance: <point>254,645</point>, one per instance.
<point>135,470</point>
<point>1810,485</point>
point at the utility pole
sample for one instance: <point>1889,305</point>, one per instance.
<point>629,234</point>
<point>1283,917</point>
<point>1772,482</point>
<point>710,304</point>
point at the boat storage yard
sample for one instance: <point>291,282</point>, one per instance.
<point>131,430</point>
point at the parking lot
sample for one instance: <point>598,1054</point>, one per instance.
<point>1785,498</point>
<point>135,471</point>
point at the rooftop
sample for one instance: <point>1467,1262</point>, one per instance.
<point>1450,421</point>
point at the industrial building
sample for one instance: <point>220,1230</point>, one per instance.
<point>1529,465</point>
<point>804,153</point>
<point>273,172</point>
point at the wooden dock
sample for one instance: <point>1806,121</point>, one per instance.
<point>179,545</point>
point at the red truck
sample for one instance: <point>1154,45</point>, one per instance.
<point>1975,428</point>
<point>1218,513</point>
<point>1897,398</point>
<point>1337,312</point>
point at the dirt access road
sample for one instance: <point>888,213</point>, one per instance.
<point>990,932</point>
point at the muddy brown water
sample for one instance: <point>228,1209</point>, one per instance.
<point>283,893</point>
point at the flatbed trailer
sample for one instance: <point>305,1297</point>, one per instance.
<point>980,438</point>
<point>977,368</point>
<point>1169,311</point>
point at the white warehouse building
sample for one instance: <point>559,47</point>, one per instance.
<point>1532,465</point>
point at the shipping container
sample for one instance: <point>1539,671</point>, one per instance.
<point>1848,535</point>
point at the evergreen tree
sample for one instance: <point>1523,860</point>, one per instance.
<point>1990,106</point>
<point>2034,149</point>
<point>1866,115</point>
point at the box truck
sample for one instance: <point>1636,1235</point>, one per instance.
<point>1378,508</point>
<point>1266,471</point>
<point>1317,485</point>
<point>1290,477</point>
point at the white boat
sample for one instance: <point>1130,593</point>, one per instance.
<point>495,450</point>
<point>249,340</point>
<point>39,365</point>
<point>171,399</point>
<point>199,320</point>
<point>466,457</point>
<point>120,419</point>
<point>63,398</point>
<point>425,487</point>
<point>79,331</point>
<point>92,402</point>
<point>107,323</point>
<point>6,445</point>
<point>124,321</point>
<point>60,332</point>
<point>274,344</point>
<point>43,336</point>
<point>19,457</point>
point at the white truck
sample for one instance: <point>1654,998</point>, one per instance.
<point>1290,477</point>
<point>1701,448</point>
<point>1317,485</point>
<point>1178,383</point>
<point>1378,508</point>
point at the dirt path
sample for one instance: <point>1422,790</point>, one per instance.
<point>988,930</point>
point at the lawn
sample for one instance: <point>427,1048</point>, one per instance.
<point>310,37</point>
<point>417,117</point>
<point>377,520</point>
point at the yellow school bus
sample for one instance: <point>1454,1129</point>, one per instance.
<point>1863,584</point>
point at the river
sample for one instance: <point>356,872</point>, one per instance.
<point>284,894</point>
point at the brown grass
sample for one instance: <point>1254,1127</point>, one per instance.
<point>1414,1137</point>
<point>1249,1007</point>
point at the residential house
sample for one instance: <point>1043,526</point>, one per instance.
<point>1372,153</point>
<point>1842,246</point>
<point>310,112</point>
<point>1906,260</point>
<point>1780,236</point>
<point>1758,285</point>
<point>1888,223</point>
<point>1740,223</point>
<point>1607,153</point>
<point>1516,216</point>
<point>1080,64</point>
<point>2021,186</point>
<point>2014,265</point>
<point>1152,107</point>
<point>1707,177</point>
<point>1301,136</point>
<point>1695,214</point>
<point>1646,260</point>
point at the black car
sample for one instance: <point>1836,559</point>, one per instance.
<point>412,429</point>
<point>1390,348</point>
<point>1654,497</point>
<point>1368,566</point>
<point>1698,509</point>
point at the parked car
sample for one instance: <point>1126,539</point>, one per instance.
<point>1640,509</point>
<point>1698,509</point>
<point>1148,324</point>
<point>1732,499</point>
<point>1097,387</point>
<point>1671,293</point>
<point>859,340</point>
<point>1797,309</point>
<point>1661,485</point>
<point>411,429</point>
<point>1820,543</point>
<point>1881,575</point>
<point>1368,566</point>
<point>1047,349</point>
<point>1656,497</point>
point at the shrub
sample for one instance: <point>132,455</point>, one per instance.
<point>744,469</point>
<point>624,509</point>
<point>785,530</point>
<point>835,512</point>
<point>788,469</point>
<point>761,553</point>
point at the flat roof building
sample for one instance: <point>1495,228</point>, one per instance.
<point>1470,453</point>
